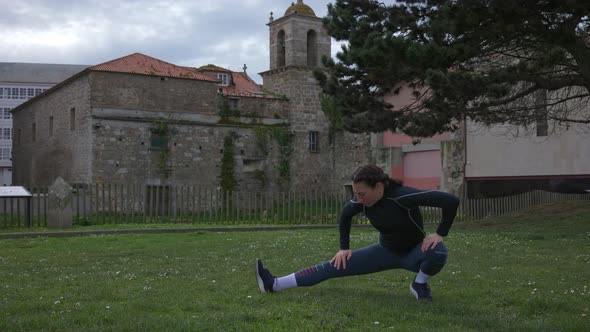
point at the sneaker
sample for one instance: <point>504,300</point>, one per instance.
<point>264,277</point>
<point>421,291</point>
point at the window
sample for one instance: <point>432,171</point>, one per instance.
<point>30,93</point>
<point>50,126</point>
<point>34,132</point>
<point>1,93</point>
<point>73,118</point>
<point>233,103</point>
<point>22,93</point>
<point>6,153</point>
<point>6,133</point>
<point>37,92</point>
<point>14,93</point>
<point>312,49</point>
<point>281,49</point>
<point>314,141</point>
<point>158,141</point>
<point>6,114</point>
<point>224,78</point>
<point>541,112</point>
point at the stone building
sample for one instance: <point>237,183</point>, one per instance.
<point>20,82</point>
<point>141,120</point>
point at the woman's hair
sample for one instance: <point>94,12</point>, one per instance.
<point>371,175</point>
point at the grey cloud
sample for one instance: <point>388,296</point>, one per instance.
<point>224,32</point>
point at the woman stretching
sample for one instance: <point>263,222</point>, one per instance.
<point>394,211</point>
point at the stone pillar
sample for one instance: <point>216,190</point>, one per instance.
<point>59,209</point>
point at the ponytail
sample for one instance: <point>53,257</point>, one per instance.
<point>371,175</point>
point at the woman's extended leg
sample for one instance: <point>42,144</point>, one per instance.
<point>370,259</point>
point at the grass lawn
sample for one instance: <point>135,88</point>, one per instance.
<point>524,272</point>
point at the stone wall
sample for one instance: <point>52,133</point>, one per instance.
<point>255,107</point>
<point>66,152</point>
<point>307,169</point>
<point>331,166</point>
<point>350,151</point>
<point>143,92</point>
<point>194,158</point>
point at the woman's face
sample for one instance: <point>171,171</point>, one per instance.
<point>366,195</point>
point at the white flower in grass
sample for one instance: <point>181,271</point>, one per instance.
<point>108,307</point>
<point>376,323</point>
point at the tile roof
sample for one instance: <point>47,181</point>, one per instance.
<point>138,63</point>
<point>241,84</point>
<point>214,68</point>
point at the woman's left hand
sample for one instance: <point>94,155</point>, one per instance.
<point>431,241</point>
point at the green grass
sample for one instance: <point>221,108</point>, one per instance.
<point>524,272</point>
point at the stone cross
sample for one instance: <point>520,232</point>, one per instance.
<point>59,204</point>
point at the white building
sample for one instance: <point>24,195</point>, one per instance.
<point>20,82</point>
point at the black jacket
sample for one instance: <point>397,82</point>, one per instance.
<point>397,216</point>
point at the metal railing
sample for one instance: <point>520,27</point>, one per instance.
<point>96,204</point>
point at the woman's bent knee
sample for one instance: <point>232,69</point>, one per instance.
<point>435,258</point>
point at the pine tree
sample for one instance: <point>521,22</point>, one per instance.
<point>488,61</point>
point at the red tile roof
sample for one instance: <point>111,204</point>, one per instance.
<point>214,68</point>
<point>138,63</point>
<point>241,85</point>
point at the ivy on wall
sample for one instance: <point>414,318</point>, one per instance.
<point>283,138</point>
<point>224,110</point>
<point>227,177</point>
<point>260,175</point>
<point>159,141</point>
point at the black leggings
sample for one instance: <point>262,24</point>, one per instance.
<point>377,258</point>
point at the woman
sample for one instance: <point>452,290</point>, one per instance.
<point>394,211</point>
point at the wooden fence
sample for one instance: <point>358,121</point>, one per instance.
<point>97,204</point>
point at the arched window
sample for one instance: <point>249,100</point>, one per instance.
<point>312,48</point>
<point>281,49</point>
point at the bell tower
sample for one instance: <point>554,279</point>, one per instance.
<point>298,41</point>
<point>298,38</point>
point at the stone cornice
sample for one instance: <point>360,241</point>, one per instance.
<point>286,68</point>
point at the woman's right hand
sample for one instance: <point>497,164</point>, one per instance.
<point>339,260</point>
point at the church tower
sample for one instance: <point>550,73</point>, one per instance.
<point>298,41</point>
<point>298,38</point>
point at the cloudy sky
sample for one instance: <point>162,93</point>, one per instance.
<point>228,33</point>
